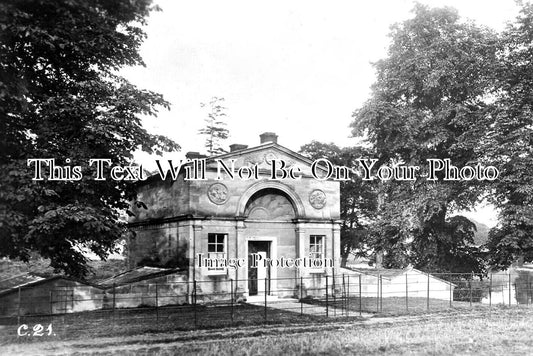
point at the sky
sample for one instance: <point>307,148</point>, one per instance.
<point>296,68</point>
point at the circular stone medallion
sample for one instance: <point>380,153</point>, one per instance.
<point>269,156</point>
<point>317,198</point>
<point>217,193</point>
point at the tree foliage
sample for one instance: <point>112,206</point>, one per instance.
<point>429,101</point>
<point>358,199</point>
<point>214,131</point>
<point>60,97</point>
<point>510,144</point>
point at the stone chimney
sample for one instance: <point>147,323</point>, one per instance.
<point>194,155</point>
<point>237,147</point>
<point>268,137</point>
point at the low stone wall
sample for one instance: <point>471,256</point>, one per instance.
<point>171,289</point>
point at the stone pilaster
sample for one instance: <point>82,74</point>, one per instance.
<point>241,274</point>
<point>196,248</point>
<point>301,242</point>
<point>336,240</point>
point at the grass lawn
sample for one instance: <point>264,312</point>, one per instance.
<point>392,305</point>
<point>136,321</point>
<point>500,331</point>
<point>133,321</point>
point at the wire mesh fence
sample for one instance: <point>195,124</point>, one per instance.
<point>143,306</point>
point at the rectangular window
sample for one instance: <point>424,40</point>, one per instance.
<point>316,246</point>
<point>216,249</point>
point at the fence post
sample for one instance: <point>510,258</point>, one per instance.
<point>406,293</point>
<point>157,303</point>
<point>327,301</point>
<point>51,305</point>
<point>451,290</point>
<point>381,293</point>
<point>301,296</point>
<point>18,308</point>
<point>114,301</point>
<point>377,293</point>
<point>360,297</point>
<point>348,296</point>
<point>343,295</point>
<point>427,295</point>
<point>527,290</point>
<point>490,291</point>
<point>333,295</point>
<point>194,303</point>
<point>509,288</point>
<point>470,287</point>
<point>231,298</point>
<point>235,289</point>
<point>266,281</point>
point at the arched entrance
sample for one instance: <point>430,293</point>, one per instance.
<point>269,213</point>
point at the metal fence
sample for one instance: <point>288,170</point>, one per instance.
<point>143,306</point>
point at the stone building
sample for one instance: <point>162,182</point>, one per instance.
<point>209,215</point>
<point>31,294</point>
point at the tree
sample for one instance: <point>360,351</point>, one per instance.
<point>60,97</point>
<point>358,199</point>
<point>214,129</point>
<point>510,145</point>
<point>430,102</point>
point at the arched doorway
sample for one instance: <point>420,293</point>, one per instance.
<point>266,211</point>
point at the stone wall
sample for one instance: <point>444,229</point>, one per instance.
<point>171,289</point>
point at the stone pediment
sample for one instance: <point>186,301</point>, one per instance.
<point>262,157</point>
